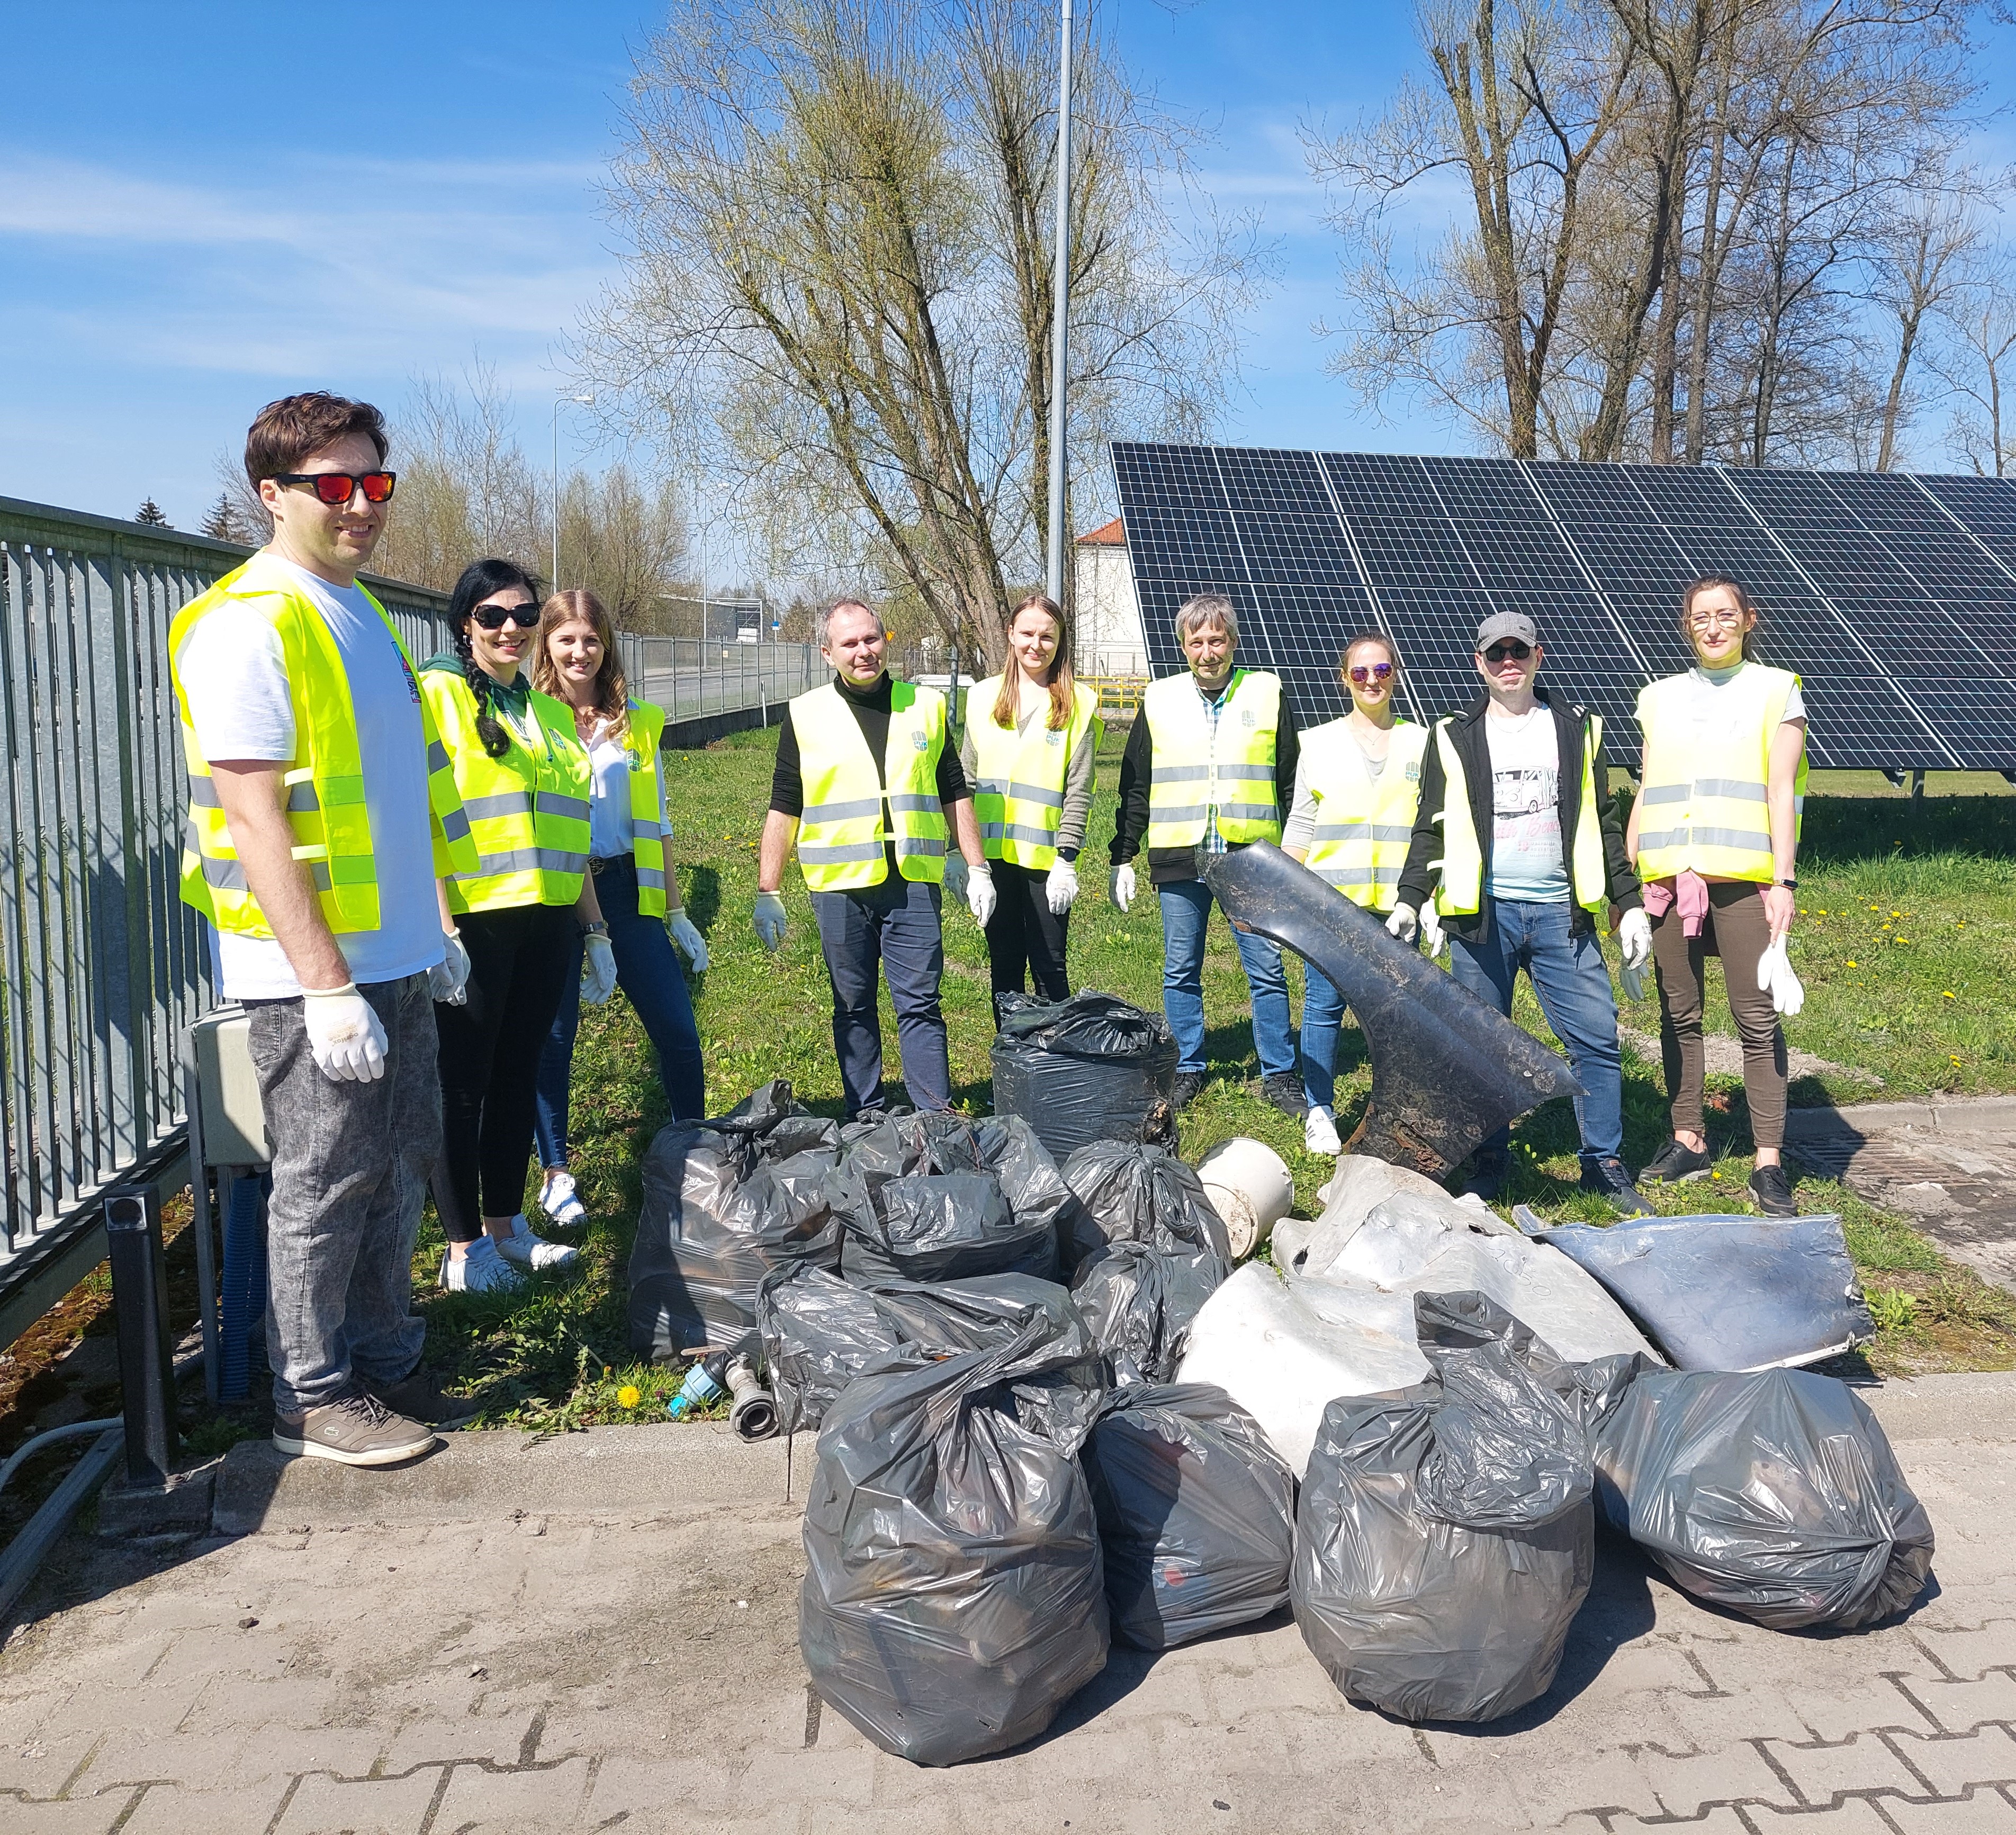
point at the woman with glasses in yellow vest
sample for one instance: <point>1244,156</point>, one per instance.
<point>1716,834</point>
<point>575,659</point>
<point>1031,735</point>
<point>1357,784</point>
<point>524,778</point>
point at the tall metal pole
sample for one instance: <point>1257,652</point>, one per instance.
<point>1060,327</point>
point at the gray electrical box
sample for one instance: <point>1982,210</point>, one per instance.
<point>233,1121</point>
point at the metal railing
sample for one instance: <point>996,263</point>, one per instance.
<point>689,677</point>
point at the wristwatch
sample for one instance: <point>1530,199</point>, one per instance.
<point>1790,885</point>
<point>595,930</point>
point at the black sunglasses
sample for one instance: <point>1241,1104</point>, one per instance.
<point>1512,647</point>
<point>340,487</point>
<point>496,617</point>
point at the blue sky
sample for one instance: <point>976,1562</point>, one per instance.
<point>203,207</point>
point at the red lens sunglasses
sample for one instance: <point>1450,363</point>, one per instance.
<point>334,487</point>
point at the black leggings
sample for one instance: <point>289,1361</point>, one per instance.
<point>519,961</point>
<point>1023,935</point>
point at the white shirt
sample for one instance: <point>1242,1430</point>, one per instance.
<point>233,673</point>
<point>609,798</point>
<point>1526,862</point>
<point>1705,705</point>
<point>1299,831</point>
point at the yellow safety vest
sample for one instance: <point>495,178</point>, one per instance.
<point>1197,764</point>
<point>1019,797</point>
<point>325,806</point>
<point>1362,827</point>
<point>527,809</point>
<point>647,804</point>
<point>842,841</point>
<point>1461,892</point>
<point>1704,807</point>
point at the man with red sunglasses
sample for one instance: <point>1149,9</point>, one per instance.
<point>1517,840</point>
<point>323,812</point>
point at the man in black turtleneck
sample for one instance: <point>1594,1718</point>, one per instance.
<point>873,853</point>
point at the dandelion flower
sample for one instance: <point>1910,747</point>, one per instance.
<point>1947,994</point>
<point>628,1396</point>
<point>1852,963</point>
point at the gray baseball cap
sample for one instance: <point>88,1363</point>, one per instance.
<point>1514,625</point>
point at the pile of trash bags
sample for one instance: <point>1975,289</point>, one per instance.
<point>1085,1068</point>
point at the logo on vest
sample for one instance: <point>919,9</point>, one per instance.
<point>1246,718</point>
<point>1053,737</point>
<point>920,741</point>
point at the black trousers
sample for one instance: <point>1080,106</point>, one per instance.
<point>519,961</point>
<point>1024,937</point>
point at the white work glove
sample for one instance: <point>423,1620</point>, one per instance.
<point>1122,891</point>
<point>1632,976</point>
<point>1403,926</point>
<point>689,940</point>
<point>597,970</point>
<point>955,877</point>
<point>1634,939</point>
<point>980,893</point>
<point>344,1033</point>
<point>1775,977</point>
<point>447,980</point>
<point>1432,940</point>
<point>1061,887</point>
<point>771,922</point>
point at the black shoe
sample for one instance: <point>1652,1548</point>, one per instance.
<point>1611,1181</point>
<point>1773,1191</point>
<point>1488,1174</point>
<point>418,1396</point>
<point>1284,1090</point>
<point>1676,1164</point>
<point>1187,1085</point>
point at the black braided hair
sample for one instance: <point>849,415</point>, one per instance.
<point>479,579</point>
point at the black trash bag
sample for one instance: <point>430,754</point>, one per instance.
<point>938,1196</point>
<point>1134,1192</point>
<point>820,1332</point>
<point>1138,1302</point>
<point>1197,1514</point>
<point>953,1596</point>
<point>1775,1494</point>
<point>1445,1539</point>
<point>725,1201</point>
<point>1089,1068</point>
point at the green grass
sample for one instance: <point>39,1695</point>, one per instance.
<point>558,1359</point>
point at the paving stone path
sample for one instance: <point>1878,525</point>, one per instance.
<point>504,1642</point>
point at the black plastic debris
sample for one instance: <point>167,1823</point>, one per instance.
<point>953,1596</point>
<point>1138,1302</point>
<point>1135,1192</point>
<point>725,1201</point>
<point>1447,1070</point>
<point>1774,1493</point>
<point>1444,1538</point>
<point>1197,1514</point>
<point>1089,1068</point>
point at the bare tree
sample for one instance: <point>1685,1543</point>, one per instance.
<point>838,307</point>
<point>1924,262</point>
<point>1975,357</point>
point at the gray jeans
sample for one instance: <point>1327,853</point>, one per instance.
<point>350,1166</point>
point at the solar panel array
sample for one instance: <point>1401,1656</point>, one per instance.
<point>1893,596</point>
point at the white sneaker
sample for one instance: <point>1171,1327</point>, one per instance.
<point>529,1251</point>
<point>481,1271</point>
<point>1319,1131</point>
<point>561,1202</point>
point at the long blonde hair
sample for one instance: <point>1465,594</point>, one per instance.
<point>1060,678</point>
<point>612,690</point>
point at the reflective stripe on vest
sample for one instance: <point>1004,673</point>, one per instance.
<point>1461,891</point>
<point>527,811</point>
<point>1362,827</point>
<point>842,841</point>
<point>1018,793</point>
<point>1704,808</point>
<point>1196,765</point>
<point>324,798</point>
<point>647,804</point>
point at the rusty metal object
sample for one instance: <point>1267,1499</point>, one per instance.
<point>1447,1070</point>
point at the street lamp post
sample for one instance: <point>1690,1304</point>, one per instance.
<point>585,401</point>
<point>1060,326</point>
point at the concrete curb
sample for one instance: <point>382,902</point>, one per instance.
<point>1966,1115</point>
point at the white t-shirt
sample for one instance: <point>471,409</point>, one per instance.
<point>234,673</point>
<point>609,798</point>
<point>1706,705</point>
<point>1526,860</point>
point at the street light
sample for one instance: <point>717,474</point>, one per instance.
<point>586,402</point>
<point>1060,326</point>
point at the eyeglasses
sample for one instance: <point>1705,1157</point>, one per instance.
<point>1518,652</point>
<point>1362,673</point>
<point>340,487</point>
<point>496,617</point>
<point>1725,620</point>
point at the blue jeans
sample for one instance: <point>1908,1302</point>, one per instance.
<point>1323,1018</point>
<point>1186,915</point>
<point>649,971</point>
<point>894,929</point>
<point>1572,981</point>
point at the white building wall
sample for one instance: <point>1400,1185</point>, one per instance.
<point>1108,640</point>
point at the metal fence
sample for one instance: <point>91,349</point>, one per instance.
<point>687,677</point>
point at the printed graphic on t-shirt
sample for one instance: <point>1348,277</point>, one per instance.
<point>1520,799</point>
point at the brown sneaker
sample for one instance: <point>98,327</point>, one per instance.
<point>419,1396</point>
<point>354,1429</point>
